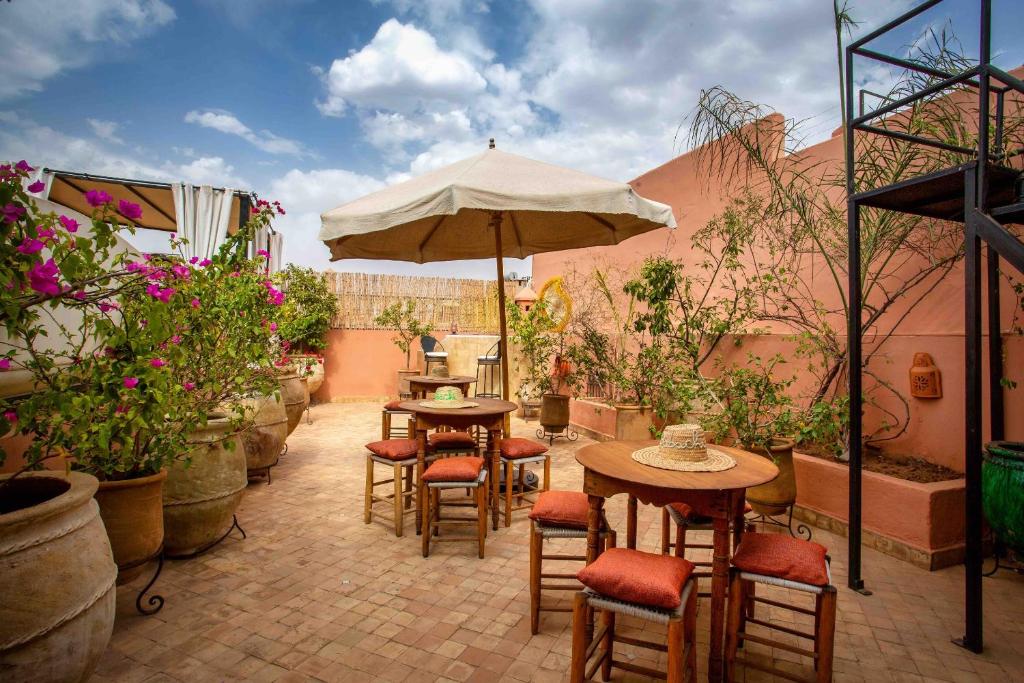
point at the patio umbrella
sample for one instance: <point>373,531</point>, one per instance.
<point>494,204</point>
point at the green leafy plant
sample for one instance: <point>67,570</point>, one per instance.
<point>309,307</point>
<point>824,426</point>
<point>546,366</point>
<point>755,407</point>
<point>402,318</point>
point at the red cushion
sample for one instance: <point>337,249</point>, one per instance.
<point>515,447</point>
<point>465,468</point>
<point>638,577</point>
<point>686,511</point>
<point>451,440</point>
<point>394,449</point>
<point>394,405</point>
<point>561,508</point>
<point>783,557</point>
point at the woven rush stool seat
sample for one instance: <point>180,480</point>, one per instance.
<point>516,453</point>
<point>400,456</point>
<point>687,518</point>
<point>387,430</point>
<point>454,473</point>
<point>557,514</point>
<point>791,563</point>
<point>657,588</point>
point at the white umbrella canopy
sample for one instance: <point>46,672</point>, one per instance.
<point>494,204</point>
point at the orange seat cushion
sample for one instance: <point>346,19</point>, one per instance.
<point>451,440</point>
<point>466,468</point>
<point>561,508</point>
<point>783,557</point>
<point>394,449</point>
<point>515,447</point>
<point>394,405</point>
<point>638,577</point>
<point>688,512</point>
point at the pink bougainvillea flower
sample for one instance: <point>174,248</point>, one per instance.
<point>181,271</point>
<point>273,327</point>
<point>264,253</point>
<point>121,409</point>
<point>189,386</point>
<point>131,382</point>
<point>5,364</point>
<point>23,166</point>
<point>106,306</point>
<point>80,294</point>
<point>176,339</point>
<point>132,212</point>
<point>10,416</point>
<point>30,246</point>
<point>70,224</point>
<point>253,211</point>
<point>158,362</point>
<point>195,303</point>
<point>153,290</point>
<point>166,294</point>
<point>98,198</point>
<point>205,262</point>
<point>42,277</point>
<point>286,345</point>
<point>36,187</point>
<point>235,274</point>
<point>194,260</point>
<point>280,210</point>
<point>148,257</point>
<point>44,233</point>
<point>12,212</point>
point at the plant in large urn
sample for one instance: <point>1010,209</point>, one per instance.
<point>401,317</point>
<point>305,319</point>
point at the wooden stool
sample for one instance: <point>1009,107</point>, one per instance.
<point>688,519</point>
<point>517,453</point>
<point>659,588</point>
<point>452,443</point>
<point>397,454</point>
<point>391,409</point>
<point>557,514</point>
<point>454,473</point>
<point>779,560</point>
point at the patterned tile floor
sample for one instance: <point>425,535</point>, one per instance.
<point>313,594</point>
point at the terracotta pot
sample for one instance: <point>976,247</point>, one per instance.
<point>554,412</point>
<point>265,438</point>
<point>778,495</point>
<point>57,578</point>
<point>633,423</point>
<point>200,500</point>
<point>312,367</point>
<point>403,381</point>
<point>132,512</point>
<point>293,394</point>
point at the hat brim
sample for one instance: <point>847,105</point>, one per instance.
<point>449,405</point>
<point>716,461</point>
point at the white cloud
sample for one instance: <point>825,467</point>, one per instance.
<point>39,41</point>
<point>228,123</point>
<point>105,130</point>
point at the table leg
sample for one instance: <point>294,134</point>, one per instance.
<point>493,441</point>
<point>719,586</point>
<point>421,461</point>
<point>631,523</point>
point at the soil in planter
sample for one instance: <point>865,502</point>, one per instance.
<point>28,491</point>
<point>903,467</point>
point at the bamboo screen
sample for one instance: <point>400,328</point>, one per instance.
<point>473,304</point>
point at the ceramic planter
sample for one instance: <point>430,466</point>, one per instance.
<point>633,422</point>
<point>554,412</point>
<point>57,578</point>
<point>1002,486</point>
<point>294,395</point>
<point>132,512</point>
<point>312,368</point>
<point>200,500</point>
<point>778,495</point>
<point>265,438</point>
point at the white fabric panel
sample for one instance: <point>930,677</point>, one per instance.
<point>276,252</point>
<point>202,215</point>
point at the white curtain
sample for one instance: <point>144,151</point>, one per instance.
<point>202,214</point>
<point>272,243</point>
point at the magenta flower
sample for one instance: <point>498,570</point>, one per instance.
<point>44,233</point>
<point>189,386</point>
<point>194,260</point>
<point>205,262</point>
<point>12,212</point>
<point>36,187</point>
<point>280,210</point>
<point>106,306</point>
<point>176,339</point>
<point>98,198</point>
<point>10,416</point>
<point>121,409</point>
<point>132,212</point>
<point>30,246</point>
<point>80,294</point>
<point>153,290</point>
<point>131,382</point>
<point>23,166</point>
<point>264,253</point>
<point>70,224</point>
<point>273,327</point>
<point>253,211</point>
<point>43,278</point>
<point>195,303</point>
<point>181,271</point>
<point>157,362</point>
<point>5,364</point>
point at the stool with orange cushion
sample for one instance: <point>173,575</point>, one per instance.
<point>392,409</point>
<point>787,562</point>
<point>686,518</point>
<point>452,443</point>
<point>658,588</point>
<point>399,454</point>
<point>454,473</point>
<point>557,514</point>
<point>516,453</point>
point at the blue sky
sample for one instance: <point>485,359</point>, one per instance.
<point>316,102</point>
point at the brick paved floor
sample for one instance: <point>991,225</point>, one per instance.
<point>313,594</point>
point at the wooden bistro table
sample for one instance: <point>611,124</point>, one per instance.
<point>609,469</point>
<point>421,385</point>
<point>489,415</point>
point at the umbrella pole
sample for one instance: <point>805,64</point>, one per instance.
<point>503,343</point>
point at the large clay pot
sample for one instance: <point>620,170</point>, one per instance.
<point>554,412</point>
<point>633,423</point>
<point>1002,487</point>
<point>132,511</point>
<point>265,438</point>
<point>57,578</point>
<point>200,499</point>
<point>403,381</point>
<point>312,368</point>
<point>779,494</point>
<point>294,395</point>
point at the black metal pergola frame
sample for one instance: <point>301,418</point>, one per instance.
<point>981,194</point>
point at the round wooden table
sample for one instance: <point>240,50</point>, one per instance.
<point>609,469</point>
<point>421,385</point>
<point>489,415</point>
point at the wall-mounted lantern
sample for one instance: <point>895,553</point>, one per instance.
<point>925,378</point>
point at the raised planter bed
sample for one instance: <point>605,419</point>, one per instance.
<point>604,422</point>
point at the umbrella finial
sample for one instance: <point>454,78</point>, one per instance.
<point>491,144</point>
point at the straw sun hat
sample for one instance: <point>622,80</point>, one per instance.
<point>448,397</point>
<point>682,448</point>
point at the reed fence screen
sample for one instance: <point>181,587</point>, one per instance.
<point>471,304</point>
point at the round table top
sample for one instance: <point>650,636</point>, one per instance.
<point>442,381</point>
<point>614,459</point>
<point>488,406</point>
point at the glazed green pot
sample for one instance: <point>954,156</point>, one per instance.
<point>1002,487</point>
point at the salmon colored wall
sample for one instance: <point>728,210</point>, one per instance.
<point>363,364</point>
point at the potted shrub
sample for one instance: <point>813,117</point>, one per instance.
<point>305,318</point>
<point>402,319</point>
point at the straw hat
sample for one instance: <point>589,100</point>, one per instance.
<point>439,371</point>
<point>448,397</point>
<point>682,448</point>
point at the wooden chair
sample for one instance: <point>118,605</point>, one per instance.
<point>454,473</point>
<point>400,455</point>
<point>658,588</point>
<point>687,519</point>
<point>778,560</point>
<point>557,514</point>
<point>516,454</point>
<point>433,353</point>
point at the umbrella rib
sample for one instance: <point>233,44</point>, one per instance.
<point>602,221</point>
<point>515,229</point>
<point>430,234</point>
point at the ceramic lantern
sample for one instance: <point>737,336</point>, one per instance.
<point>925,378</point>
